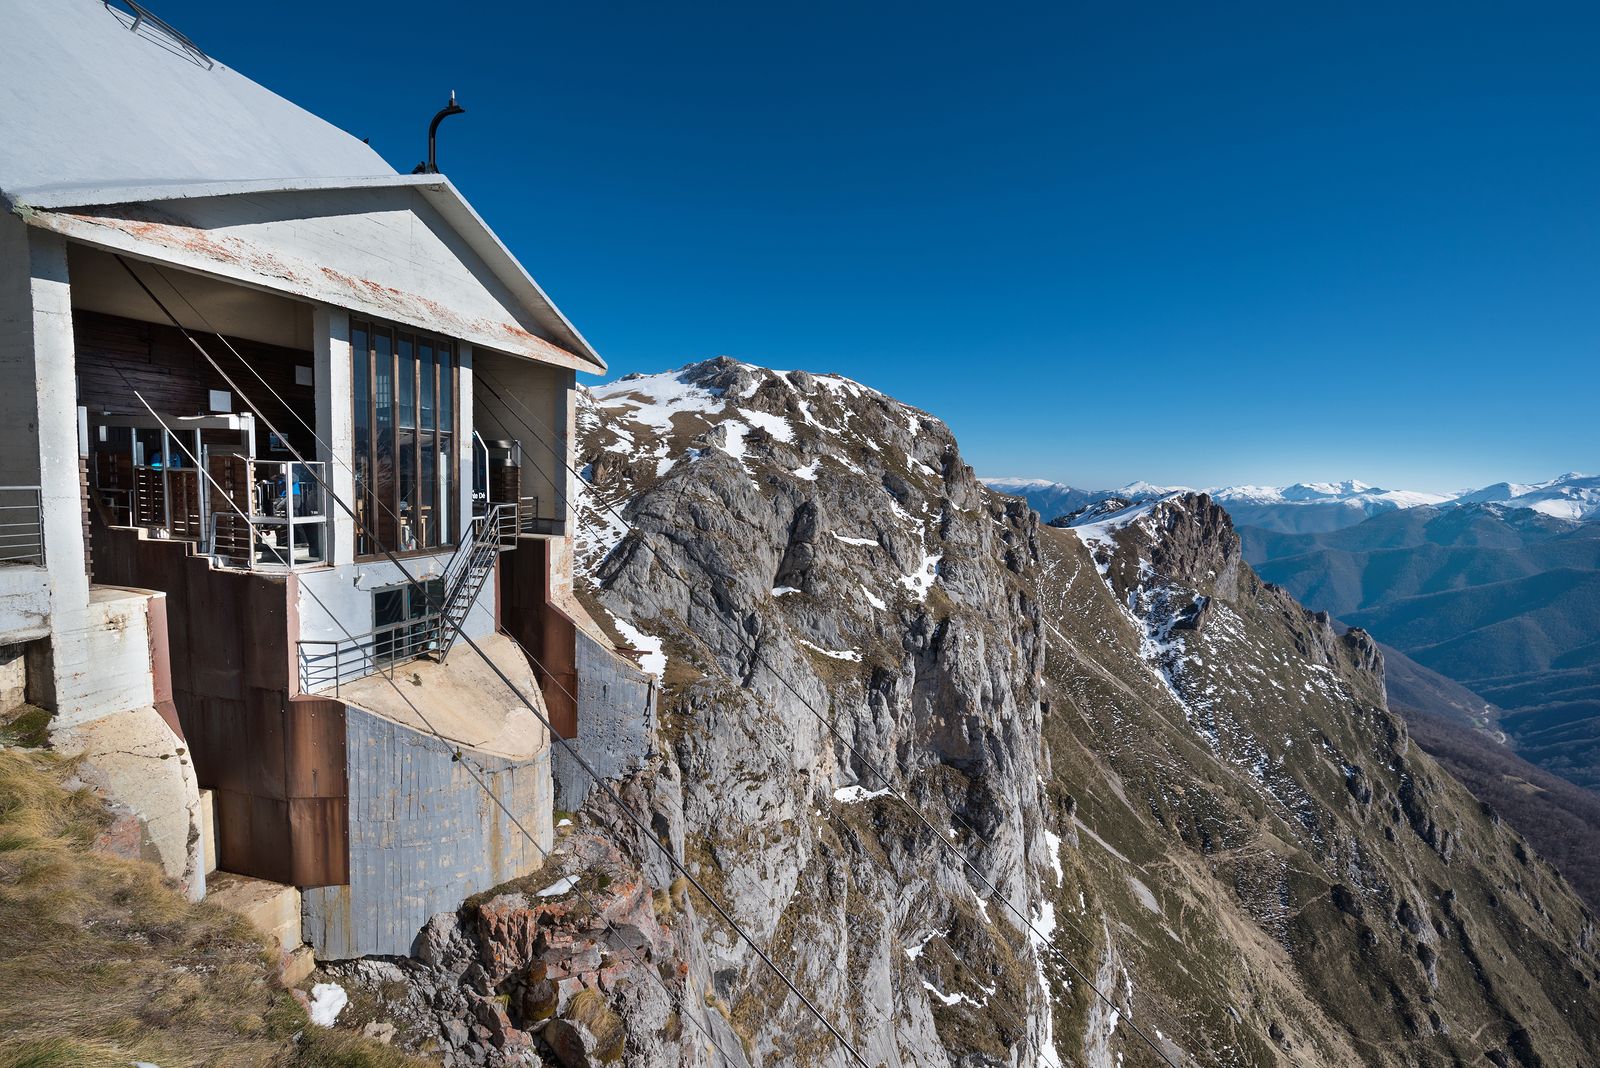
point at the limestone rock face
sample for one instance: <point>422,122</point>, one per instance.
<point>1155,804</point>
<point>1158,812</point>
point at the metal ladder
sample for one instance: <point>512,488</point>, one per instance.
<point>485,538</point>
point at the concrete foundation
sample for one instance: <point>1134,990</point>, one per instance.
<point>427,831</point>
<point>13,676</point>
<point>134,758</point>
<point>208,829</point>
<point>274,910</point>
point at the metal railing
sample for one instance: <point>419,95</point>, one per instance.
<point>333,662</point>
<point>285,520</point>
<point>21,525</point>
<point>485,538</point>
<point>531,521</point>
<point>337,661</point>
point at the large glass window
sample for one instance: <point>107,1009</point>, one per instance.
<point>404,400</point>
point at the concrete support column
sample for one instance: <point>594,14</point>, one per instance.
<point>39,404</point>
<point>467,423</point>
<point>336,422</point>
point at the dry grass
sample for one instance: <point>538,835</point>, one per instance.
<point>588,1007</point>
<point>102,963</point>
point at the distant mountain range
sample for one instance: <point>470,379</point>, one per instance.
<point>1495,589</point>
<point>1321,507</point>
<point>1502,599</point>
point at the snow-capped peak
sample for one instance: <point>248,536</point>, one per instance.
<point>1573,496</point>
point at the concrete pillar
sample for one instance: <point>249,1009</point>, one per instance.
<point>95,674</point>
<point>467,424</point>
<point>39,404</point>
<point>335,422</point>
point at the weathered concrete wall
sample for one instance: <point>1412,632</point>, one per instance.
<point>101,657</point>
<point>39,420</point>
<point>13,676</point>
<point>24,603</point>
<point>616,722</point>
<point>424,836</point>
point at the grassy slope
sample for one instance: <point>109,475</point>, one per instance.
<point>102,963</point>
<point>1560,819</point>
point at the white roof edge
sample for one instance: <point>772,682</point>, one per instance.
<point>435,187</point>
<point>50,198</point>
<point>498,250</point>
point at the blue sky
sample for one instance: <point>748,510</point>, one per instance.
<point>1194,244</point>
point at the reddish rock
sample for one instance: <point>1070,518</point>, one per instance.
<point>123,836</point>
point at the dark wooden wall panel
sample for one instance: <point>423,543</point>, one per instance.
<point>115,354</point>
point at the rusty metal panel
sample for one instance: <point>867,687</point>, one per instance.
<point>316,748</point>
<point>542,629</point>
<point>253,836</point>
<point>264,602</point>
<point>216,647</point>
<point>319,830</point>
<point>278,765</point>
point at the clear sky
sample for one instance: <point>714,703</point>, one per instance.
<point>1191,243</point>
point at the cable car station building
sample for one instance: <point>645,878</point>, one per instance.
<point>285,449</point>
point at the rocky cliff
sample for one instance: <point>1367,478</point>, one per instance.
<point>991,792</point>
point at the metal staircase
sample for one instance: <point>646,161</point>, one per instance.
<point>485,538</point>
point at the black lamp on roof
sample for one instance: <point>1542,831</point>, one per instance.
<point>431,165</point>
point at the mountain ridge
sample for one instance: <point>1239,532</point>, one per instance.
<point>1319,507</point>
<point>1189,784</point>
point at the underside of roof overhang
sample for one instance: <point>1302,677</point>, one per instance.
<point>406,248</point>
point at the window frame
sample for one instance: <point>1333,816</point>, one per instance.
<point>443,438</point>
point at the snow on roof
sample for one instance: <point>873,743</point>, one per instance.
<point>88,103</point>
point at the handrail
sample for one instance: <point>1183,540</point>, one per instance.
<point>22,526</point>
<point>353,658</point>
<point>325,662</point>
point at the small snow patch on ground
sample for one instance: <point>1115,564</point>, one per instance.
<point>776,425</point>
<point>1054,841</point>
<point>733,435</point>
<point>850,795</point>
<point>948,999</point>
<point>327,1002</point>
<point>654,660</point>
<point>920,581</point>
<point>808,472</point>
<point>837,654</point>
<point>854,541</point>
<point>914,950</point>
<point>784,591</point>
<point>560,886</point>
<point>873,599</point>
